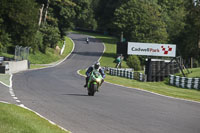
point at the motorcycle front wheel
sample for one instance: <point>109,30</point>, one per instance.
<point>92,90</point>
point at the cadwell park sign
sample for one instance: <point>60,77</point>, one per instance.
<point>151,49</point>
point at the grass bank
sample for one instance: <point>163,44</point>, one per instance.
<point>193,73</point>
<point>14,119</point>
<point>110,51</point>
<point>157,87</point>
<point>39,60</point>
<point>5,79</point>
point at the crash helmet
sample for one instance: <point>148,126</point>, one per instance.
<point>97,65</point>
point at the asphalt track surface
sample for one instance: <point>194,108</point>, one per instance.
<point>57,93</point>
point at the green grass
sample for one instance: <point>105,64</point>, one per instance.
<point>195,72</point>
<point>14,119</point>
<point>157,87</point>
<point>109,55</point>
<point>36,66</point>
<point>5,78</point>
<point>38,59</point>
<point>7,55</point>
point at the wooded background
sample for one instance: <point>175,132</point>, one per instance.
<point>42,23</point>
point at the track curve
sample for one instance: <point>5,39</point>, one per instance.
<point>58,94</point>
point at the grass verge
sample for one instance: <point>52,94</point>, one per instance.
<point>193,73</point>
<point>39,60</point>
<point>156,87</point>
<point>5,78</point>
<point>14,119</point>
<point>110,51</point>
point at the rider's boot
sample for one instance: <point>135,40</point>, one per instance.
<point>86,84</point>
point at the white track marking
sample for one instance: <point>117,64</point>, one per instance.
<point>11,91</point>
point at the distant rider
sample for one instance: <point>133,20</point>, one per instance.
<point>87,40</point>
<point>97,67</point>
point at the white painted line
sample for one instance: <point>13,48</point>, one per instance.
<point>147,91</point>
<point>4,84</point>
<point>4,102</point>
<point>11,76</point>
<point>21,105</point>
<point>155,93</point>
<point>11,91</point>
<point>141,89</point>
<point>18,101</point>
<point>58,62</point>
<point>15,98</point>
<point>104,49</point>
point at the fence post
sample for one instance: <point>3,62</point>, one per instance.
<point>189,83</point>
<point>183,80</point>
<point>125,73</point>
<point>171,79</point>
<point>128,74</point>
<point>118,72</point>
<point>177,81</point>
<point>131,75</point>
<point>196,83</point>
<point>141,77</point>
<point>115,72</point>
<point>110,71</point>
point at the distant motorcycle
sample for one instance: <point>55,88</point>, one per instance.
<point>95,81</point>
<point>87,40</point>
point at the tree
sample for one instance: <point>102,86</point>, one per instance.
<point>104,12</point>
<point>20,20</point>
<point>140,21</point>
<point>134,62</point>
<point>51,36</point>
<point>84,15</point>
<point>5,40</point>
<point>189,38</point>
<point>173,13</point>
<point>62,14</point>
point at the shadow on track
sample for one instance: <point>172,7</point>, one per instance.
<point>76,94</point>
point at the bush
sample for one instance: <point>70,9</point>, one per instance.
<point>134,62</point>
<point>196,64</point>
<point>51,36</point>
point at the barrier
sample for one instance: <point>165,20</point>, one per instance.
<point>184,82</point>
<point>15,66</point>
<point>127,73</point>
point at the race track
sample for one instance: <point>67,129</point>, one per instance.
<point>58,94</point>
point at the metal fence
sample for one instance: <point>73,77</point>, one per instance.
<point>183,82</point>
<point>21,53</point>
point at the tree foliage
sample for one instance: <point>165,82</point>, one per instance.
<point>174,15</point>
<point>133,61</point>
<point>84,15</point>
<point>156,21</point>
<point>140,21</point>
<point>19,20</point>
<point>189,38</point>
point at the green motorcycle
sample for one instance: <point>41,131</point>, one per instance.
<point>95,81</point>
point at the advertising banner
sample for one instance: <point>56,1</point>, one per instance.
<point>151,49</point>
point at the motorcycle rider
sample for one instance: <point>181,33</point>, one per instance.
<point>87,40</point>
<point>97,67</point>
